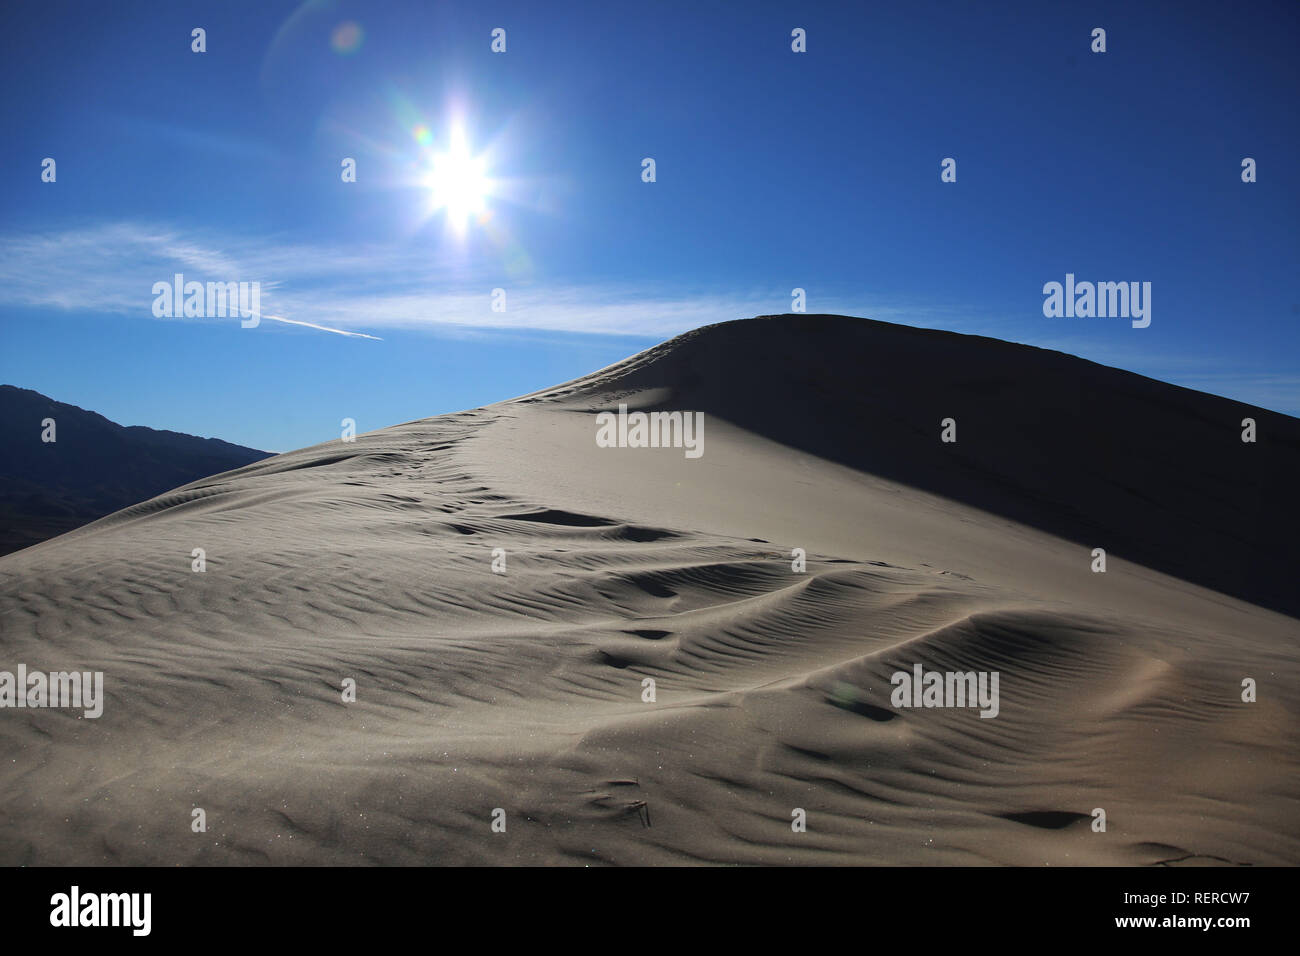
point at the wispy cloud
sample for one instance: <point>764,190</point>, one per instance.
<point>112,268</point>
<point>358,290</point>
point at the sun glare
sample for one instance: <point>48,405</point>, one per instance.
<point>458,183</point>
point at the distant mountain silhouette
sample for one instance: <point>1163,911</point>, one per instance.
<point>94,467</point>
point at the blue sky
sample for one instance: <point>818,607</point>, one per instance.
<point>775,170</point>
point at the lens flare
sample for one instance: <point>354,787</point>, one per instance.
<point>346,38</point>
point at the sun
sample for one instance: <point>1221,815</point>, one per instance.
<point>458,182</point>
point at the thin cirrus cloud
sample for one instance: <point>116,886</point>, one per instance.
<point>359,291</point>
<point>112,268</point>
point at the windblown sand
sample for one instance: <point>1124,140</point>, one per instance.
<point>523,690</point>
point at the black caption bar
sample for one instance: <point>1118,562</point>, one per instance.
<point>143,907</point>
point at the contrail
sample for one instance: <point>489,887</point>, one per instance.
<point>323,328</point>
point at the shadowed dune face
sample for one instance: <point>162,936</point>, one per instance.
<point>524,688</point>
<point>1103,457</point>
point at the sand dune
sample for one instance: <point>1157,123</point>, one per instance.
<point>524,690</point>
